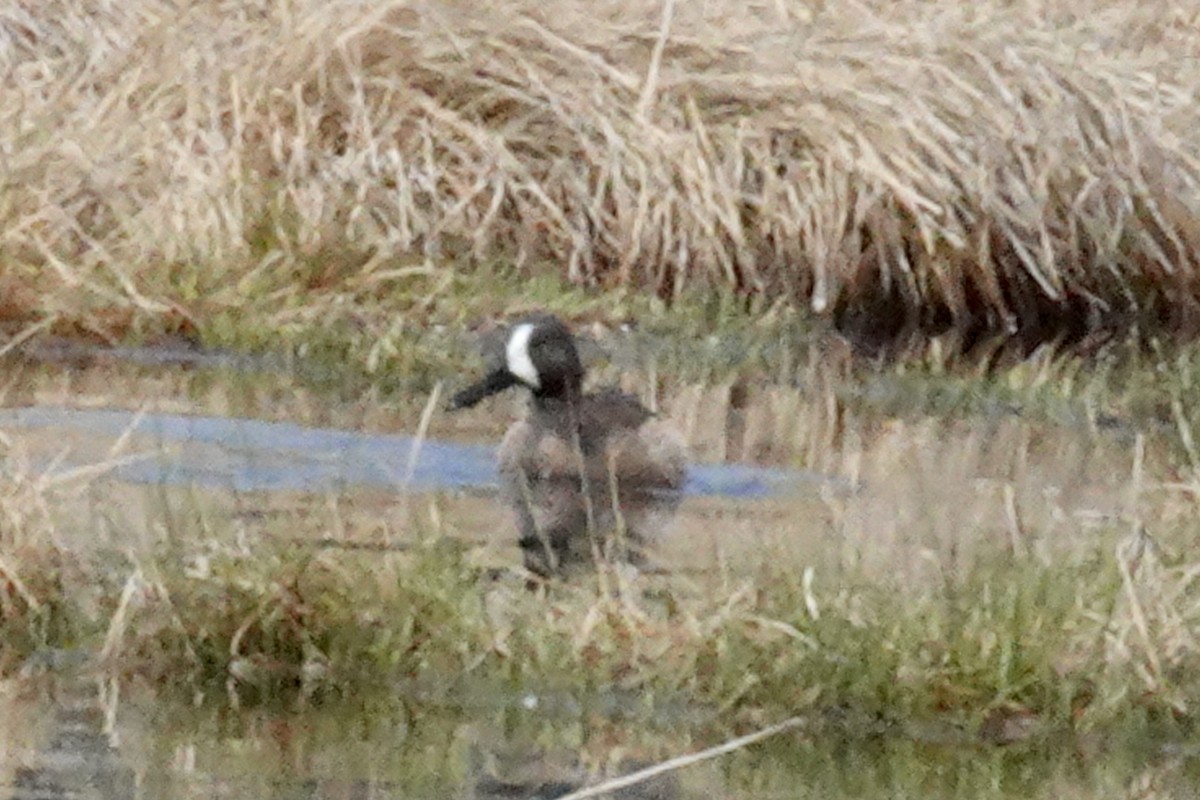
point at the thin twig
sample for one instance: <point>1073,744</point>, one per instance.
<point>679,762</point>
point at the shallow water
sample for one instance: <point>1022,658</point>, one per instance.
<point>248,455</point>
<point>66,743</point>
<point>150,443</point>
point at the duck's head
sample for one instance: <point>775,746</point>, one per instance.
<point>540,354</point>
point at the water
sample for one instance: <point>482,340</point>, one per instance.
<point>920,489</point>
<point>71,745</point>
<point>80,742</point>
<point>255,455</point>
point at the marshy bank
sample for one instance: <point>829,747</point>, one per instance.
<point>305,208</point>
<point>1000,596</point>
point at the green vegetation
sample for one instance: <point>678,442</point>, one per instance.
<point>986,565</point>
<point>989,581</point>
<point>779,198</point>
<point>277,621</point>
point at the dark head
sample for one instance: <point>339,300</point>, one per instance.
<point>540,354</point>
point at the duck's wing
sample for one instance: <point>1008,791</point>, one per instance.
<point>611,411</point>
<point>647,469</point>
<point>640,447</point>
<point>653,455</point>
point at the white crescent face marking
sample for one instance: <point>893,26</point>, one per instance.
<point>517,355</point>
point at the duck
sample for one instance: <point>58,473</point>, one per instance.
<point>589,476</point>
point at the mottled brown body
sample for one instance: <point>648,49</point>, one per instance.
<point>587,475</point>
<point>600,482</point>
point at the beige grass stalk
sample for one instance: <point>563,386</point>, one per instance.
<point>1002,162</point>
<point>680,762</point>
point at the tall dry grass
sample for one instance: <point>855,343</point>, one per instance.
<point>1003,164</point>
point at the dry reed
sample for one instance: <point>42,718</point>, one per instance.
<point>1014,166</point>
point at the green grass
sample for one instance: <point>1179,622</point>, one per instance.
<point>270,621</point>
<point>345,198</point>
<point>987,566</point>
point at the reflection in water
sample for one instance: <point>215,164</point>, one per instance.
<point>391,748</point>
<point>74,759</point>
<point>521,771</point>
<point>931,487</point>
<point>250,455</point>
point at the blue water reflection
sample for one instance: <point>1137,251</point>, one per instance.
<point>258,455</point>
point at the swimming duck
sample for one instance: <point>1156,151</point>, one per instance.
<point>588,475</point>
